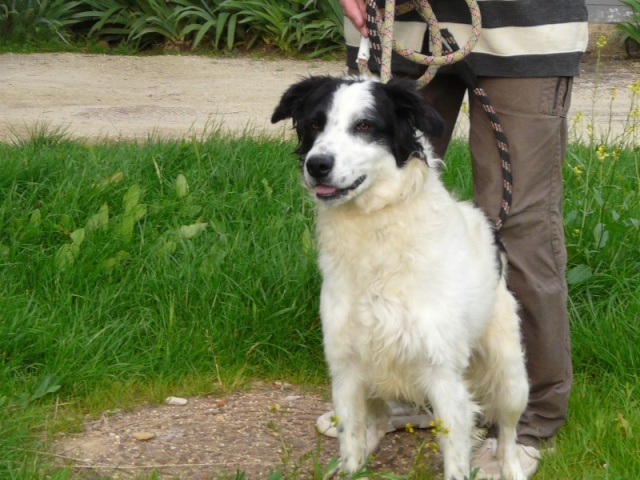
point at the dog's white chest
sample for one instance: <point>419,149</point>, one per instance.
<point>375,308</point>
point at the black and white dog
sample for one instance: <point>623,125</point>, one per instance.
<point>414,303</point>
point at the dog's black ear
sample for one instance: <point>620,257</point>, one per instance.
<point>293,99</point>
<point>413,108</point>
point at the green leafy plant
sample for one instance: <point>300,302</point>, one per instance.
<point>267,21</point>
<point>108,19</point>
<point>325,27</point>
<point>163,19</point>
<point>290,26</point>
<point>631,28</point>
<point>142,22</point>
<point>205,20</point>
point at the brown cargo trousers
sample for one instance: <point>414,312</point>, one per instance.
<point>533,113</point>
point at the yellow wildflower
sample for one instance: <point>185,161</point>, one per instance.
<point>635,87</point>
<point>438,427</point>
<point>616,154</point>
<point>409,427</point>
<point>602,153</point>
<point>578,170</point>
<point>602,41</point>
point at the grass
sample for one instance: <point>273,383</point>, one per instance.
<point>134,270</point>
<point>110,253</point>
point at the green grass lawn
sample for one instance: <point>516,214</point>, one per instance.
<point>130,271</point>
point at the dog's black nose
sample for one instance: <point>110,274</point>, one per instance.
<point>319,166</point>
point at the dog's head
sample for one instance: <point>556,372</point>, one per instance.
<point>354,131</point>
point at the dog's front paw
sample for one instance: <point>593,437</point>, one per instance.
<point>353,469</point>
<point>342,469</point>
<point>350,464</point>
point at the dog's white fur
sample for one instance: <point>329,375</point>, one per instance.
<point>413,304</point>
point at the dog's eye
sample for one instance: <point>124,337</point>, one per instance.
<point>315,126</point>
<point>363,126</point>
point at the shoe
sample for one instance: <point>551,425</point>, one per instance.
<point>401,415</point>
<point>487,464</point>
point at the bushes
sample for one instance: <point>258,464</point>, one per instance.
<point>22,20</point>
<point>309,26</point>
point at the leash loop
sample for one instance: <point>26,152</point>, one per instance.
<point>380,26</point>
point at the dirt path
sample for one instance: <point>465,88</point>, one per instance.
<point>113,96</point>
<point>95,96</point>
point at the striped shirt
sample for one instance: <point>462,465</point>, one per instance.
<point>519,38</point>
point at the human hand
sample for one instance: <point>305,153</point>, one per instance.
<point>355,11</point>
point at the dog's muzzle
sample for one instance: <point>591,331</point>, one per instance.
<point>319,168</point>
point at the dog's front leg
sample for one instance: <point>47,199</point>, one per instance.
<point>349,403</point>
<point>454,412</point>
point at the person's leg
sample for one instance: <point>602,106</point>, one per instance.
<point>532,112</point>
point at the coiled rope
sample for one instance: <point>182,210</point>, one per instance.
<point>382,44</point>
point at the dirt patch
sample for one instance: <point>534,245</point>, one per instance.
<point>270,427</point>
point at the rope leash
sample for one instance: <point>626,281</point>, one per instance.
<point>380,26</point>
<point>381,43</point>
<point>501,139</point>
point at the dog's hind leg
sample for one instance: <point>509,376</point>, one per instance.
<point>499,373</point>
<point>377,422</point>
<point>454,412</point>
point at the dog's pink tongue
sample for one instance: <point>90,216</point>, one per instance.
<point>325,190</point>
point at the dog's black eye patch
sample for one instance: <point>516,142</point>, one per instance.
<point>363,126</point>
<point>308,129</point>
<point>317,121</point>
<point>370,129</point>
